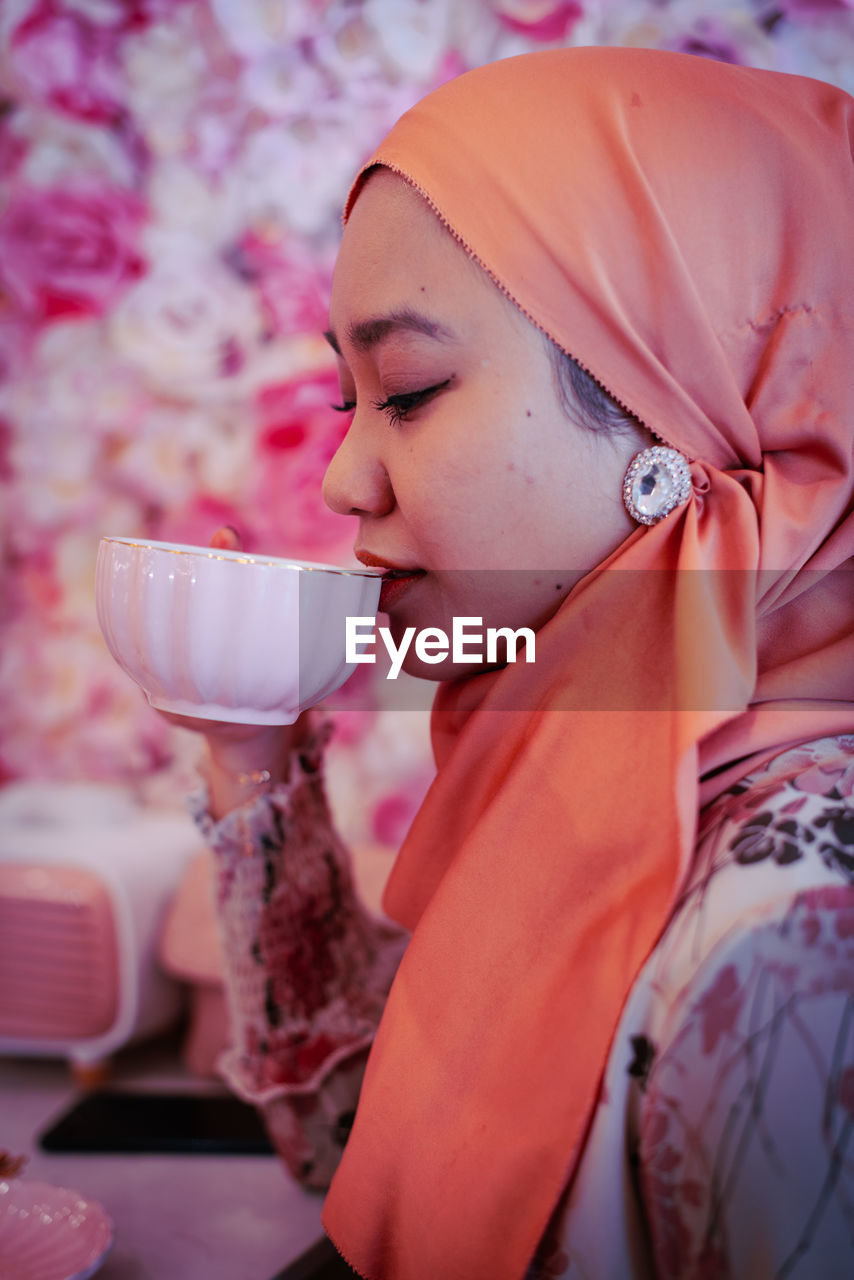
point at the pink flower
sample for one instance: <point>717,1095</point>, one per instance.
<point>542,20</point>
<point>294,294</point>
<point>299,435</point>
<point>818,767</point>
<point>719,1007</point>
<point>69,61</point>
<point>392,817</point>
<point>70,250</point>
<point>197,521</point>
<point>712,39</point>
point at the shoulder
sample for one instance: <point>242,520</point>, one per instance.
<point>747,1105</point>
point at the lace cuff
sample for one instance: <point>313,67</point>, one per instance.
<point>307,967</point>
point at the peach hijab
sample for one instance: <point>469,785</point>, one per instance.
<point>685,230</point>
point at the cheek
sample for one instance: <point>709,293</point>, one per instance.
<point>473,504</point>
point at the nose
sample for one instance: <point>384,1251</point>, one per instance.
<point>356,481</point>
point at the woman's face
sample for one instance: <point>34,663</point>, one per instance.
<point>460,462</point>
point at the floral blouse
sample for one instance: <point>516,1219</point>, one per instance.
<point>722,1142</point>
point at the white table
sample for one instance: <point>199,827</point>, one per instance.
<point>176,1217</point>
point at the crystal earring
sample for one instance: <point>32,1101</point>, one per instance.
<point>658,480</point>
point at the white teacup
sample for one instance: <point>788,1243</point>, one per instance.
<point>228,635</point>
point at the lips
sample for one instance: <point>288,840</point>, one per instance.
<point>397,579</point>
<point>395,584</point>
<point>374,561</point>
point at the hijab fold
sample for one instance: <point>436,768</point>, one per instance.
<point>685,230</point>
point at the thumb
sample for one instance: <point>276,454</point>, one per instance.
<point>227,539</point>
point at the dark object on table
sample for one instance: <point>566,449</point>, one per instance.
<point>112,1120</point>
<point>320,1262</point>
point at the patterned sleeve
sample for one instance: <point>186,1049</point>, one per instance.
<point>308,968</point>
<point>746,1151</point>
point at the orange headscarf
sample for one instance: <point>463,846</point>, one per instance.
<point>686,231</point>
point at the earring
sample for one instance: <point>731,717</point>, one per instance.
<point>657,481</point>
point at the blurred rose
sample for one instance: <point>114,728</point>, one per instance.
<point>68,60</point>
<point>731,34</point>
<point>542,20</point>
<point>348,47</point>
<point>175,453</point>
<point>817,40</point>
<point>283,82</point>
<point>196,521</point>
<point>393,814</point>
<point>182,203</point>
<point>67,709</point>
<point>298,175</point>
<point>293,286</point>
<point>189,326</point>
<point>164,73</point>
<point>62,148</point>
<point>298,435</point>
<point>74,404</point>
<point>255,28</point>
<point>217,127</point>
<point>380,766</point>
<point>70,250</point>
<point>412,35</point>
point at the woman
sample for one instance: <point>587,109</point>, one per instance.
<point>619,1036</point>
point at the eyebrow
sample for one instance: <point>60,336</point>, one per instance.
<point>363,335</point>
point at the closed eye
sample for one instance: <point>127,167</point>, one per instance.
<point>398,407</point>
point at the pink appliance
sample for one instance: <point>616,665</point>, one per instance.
<point>86,876</point>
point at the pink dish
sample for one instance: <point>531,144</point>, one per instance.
<point>50,1233</point>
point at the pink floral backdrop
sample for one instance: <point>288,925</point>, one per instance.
<point>172,175</point>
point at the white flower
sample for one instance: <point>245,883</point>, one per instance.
<point>255,28</point>
<point>297,176</point>
<point>413,34</point>
<point>179,451</point>
<point>61,148</point>
<point>13,12</point>
<point>68,710</point>
<point>821,46</point>
<point>104,13</point>
<point>726,31</point>
<point>73,404</point>
<point>164,77</point>
<point>190,326</point>
<point>183,203</point>
<point>346,46</point>
<point>283,82</point>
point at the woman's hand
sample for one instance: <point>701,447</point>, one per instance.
<point>240,756</point>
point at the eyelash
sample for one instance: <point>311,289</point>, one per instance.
<point>400,406</point>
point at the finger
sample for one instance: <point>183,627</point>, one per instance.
<point>227,539</point>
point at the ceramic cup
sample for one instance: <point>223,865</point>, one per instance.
<point>228,635</point>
